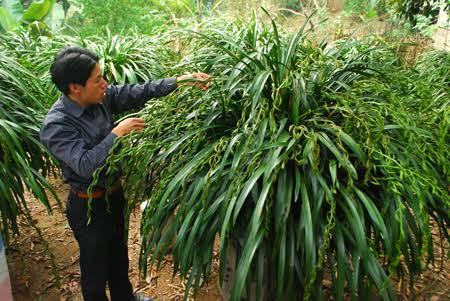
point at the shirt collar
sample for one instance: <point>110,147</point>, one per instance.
<point>72,107</point>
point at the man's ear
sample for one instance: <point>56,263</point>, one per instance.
<point>74,88</point>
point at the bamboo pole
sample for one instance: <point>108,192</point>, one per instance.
<point>200,8</point>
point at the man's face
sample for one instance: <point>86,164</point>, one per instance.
<point>93,91</point>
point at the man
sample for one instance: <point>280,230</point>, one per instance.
<point>79,131</point>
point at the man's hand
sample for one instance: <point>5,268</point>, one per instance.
<point>200,80</point>
<point>128,125</point>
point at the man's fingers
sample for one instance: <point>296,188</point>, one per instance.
<point>129,125</point>
<point>203,80</point>
<point>203,76</point>
<point>135,119</point>
<point>203,86</point>
<point>199,79</point>
<point>138,123</point>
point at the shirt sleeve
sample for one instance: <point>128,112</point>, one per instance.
<point>132,96</point>
<point>68,146</point>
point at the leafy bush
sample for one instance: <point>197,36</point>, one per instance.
<point>410,9</point>
<point>24,161</point>
<point>315,161</point>
<point>131,58</point>
<point>365,9</point>
<point>92,18</point>
<point>291,4</point>
<point>434,69</point>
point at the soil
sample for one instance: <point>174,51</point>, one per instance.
<point>32,278</point>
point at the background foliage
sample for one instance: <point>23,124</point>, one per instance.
<point>40,17</point>
<point>411,9</point>
<point>93,17</point>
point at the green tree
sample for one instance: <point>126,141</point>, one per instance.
<point>409,9</point>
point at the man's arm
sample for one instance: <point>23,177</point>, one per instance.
<point>133,96</point>
<point>68,146</point>
<point>126,97</point>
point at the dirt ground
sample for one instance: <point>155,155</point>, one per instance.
<point>32,278</point>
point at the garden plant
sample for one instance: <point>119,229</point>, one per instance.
<point>312,160</point>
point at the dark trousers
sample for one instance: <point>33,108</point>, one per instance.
<point>103,246</point>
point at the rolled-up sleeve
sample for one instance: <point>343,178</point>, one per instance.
<point>68,146</point>
<point>121,98</point>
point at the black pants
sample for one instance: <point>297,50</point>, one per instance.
<point>103,247</point>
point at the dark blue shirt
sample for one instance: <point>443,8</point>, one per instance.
<point>81,138</point>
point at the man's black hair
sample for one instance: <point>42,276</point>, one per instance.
<point>72,65</point>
